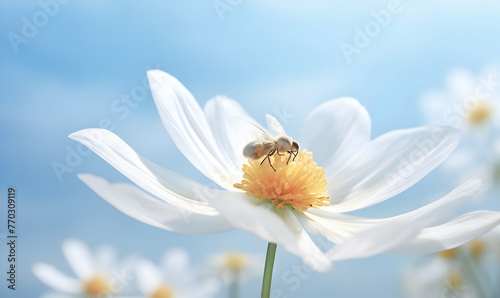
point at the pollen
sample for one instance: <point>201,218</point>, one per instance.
<point>298,183</point>
<point>480,114</point>
<point>235,261</point>
<point>163,291</point>
<point>98,285</point>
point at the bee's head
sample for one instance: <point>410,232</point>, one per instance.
<point>295,146</point>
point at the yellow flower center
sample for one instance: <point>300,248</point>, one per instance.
<point>448,254</point>
<point>235,261</point>
<point>98,285</point>
<point>477,247</point>
<point>163,291</point>
<point>480,114</point>
<point>300,183</point>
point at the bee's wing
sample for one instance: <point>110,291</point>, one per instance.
<point>274,126</point>
<point>251,131</point>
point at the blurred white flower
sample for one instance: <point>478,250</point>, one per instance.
<point>472,103</point>
<point>349,172</point>
<point>468,101</point>
<point>488,247</point>
<point>97,275</point>
<point>235,266</point>
<point>437,278</point>
<point>173,278</point>
<point>468,271</point>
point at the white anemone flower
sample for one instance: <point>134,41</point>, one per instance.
<point>97,275</point>
<point>468,271</point>
<point>468,101</point>
<point>235,267</point>
<point>174,278</point>
<point>349,172</point>
<point>438,277</point>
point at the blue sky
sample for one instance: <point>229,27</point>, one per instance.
<point>279,56</point>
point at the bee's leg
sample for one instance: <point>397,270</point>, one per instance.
<point>271,153</point>
<point>267,156</point>
<point>289,156</point>
<point>269,159</point>
<point>295,155</point>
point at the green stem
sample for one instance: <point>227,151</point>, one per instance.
<point>233,289</point>
<point>268,270</point>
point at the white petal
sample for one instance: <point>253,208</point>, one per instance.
<point>246,214</point>
<point>55,279</point>
<point>274,127</point>
<point>149,277</point>
<point>186,123</point>
<point>461,83</point>
<point>405,232</point>
<point>162,183</point>
<point>335,130</point>
<point>175,261</point>
<point>79,258</point>
<point>175,266</point>
<point>220,112</point>
<point>337,227</point>
<point>452,234</point>
<point>389,165</point>
<point>137,204</point>
<point>305,248</point>
<point>375,240</point>
<point>106,257</point>
<point>440,210</point>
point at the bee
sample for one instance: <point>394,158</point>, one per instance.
<point>265,145</point>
